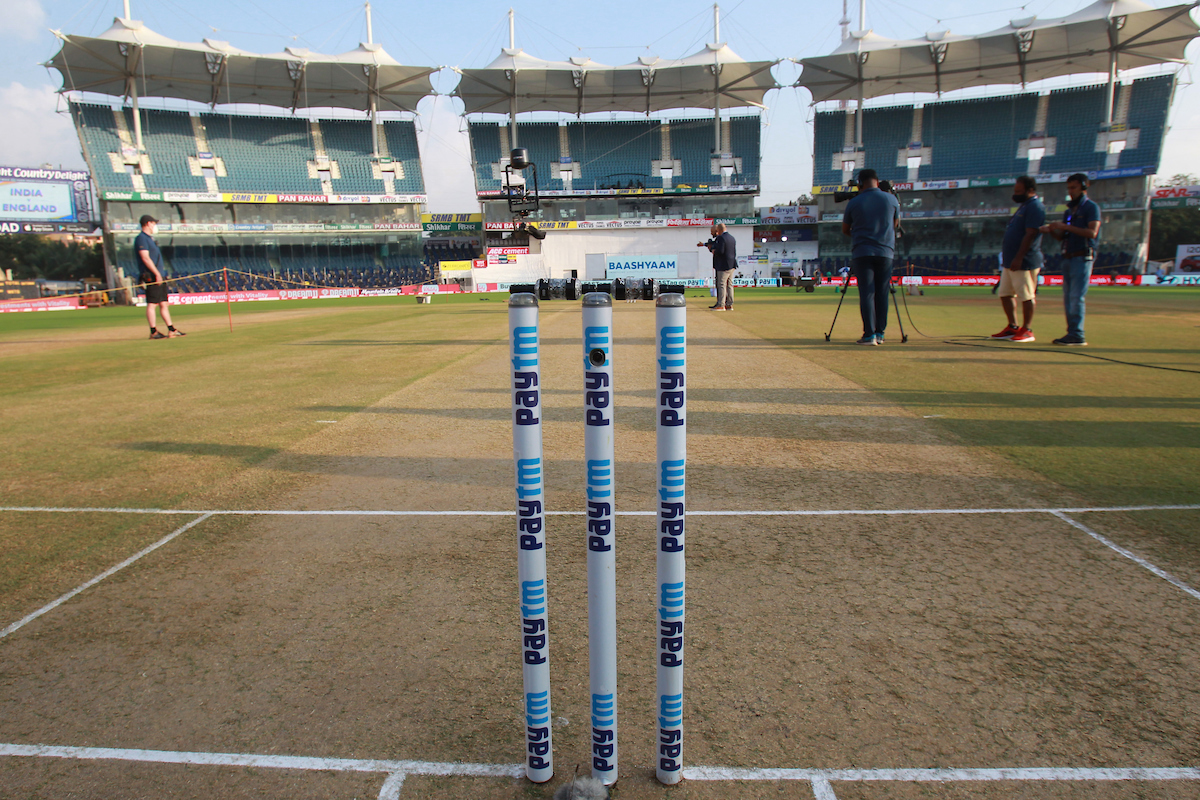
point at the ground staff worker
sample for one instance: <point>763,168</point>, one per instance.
<point>1021,256</point>
<point>1079,231</point>
<point>870,221</point>
<point>149,262</point>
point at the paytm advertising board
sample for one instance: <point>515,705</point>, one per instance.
<point>661,267</point>
<point>45,200</point>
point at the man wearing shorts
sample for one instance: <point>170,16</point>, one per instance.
<point>1021,256</point>
<point>148,258</point>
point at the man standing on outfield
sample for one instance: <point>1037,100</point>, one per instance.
<point>724,251</point>
<point>870,221</point>
<point>148,258</point>
<point>1078,232</point>
<point>1021,256</point>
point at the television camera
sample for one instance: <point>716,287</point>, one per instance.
<point>521,190</point>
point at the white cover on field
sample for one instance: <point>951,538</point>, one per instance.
<point>528,268</point>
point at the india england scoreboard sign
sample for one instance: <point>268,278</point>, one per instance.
<point>44,200</point>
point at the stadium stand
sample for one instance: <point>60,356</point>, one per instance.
<point>258,154</point>
<point>541,139</point>
<point>1150,100</point>
<point>401,139</point>
<point>486,150</point>
<point>620,153</point>
<point>746,139</point>
<point>616,153</point>
<point>170,141</point>
<point>98,129</point>
<point>692,144</point>
<point>261,152</point>
<point>980,137</point>
<point>976,137</point>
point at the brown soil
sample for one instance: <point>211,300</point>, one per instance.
<point>815,642</point>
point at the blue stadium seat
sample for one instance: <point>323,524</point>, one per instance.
<point>262,153</point>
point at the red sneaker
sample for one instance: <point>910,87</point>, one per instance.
<point>1008,332</point>
<point>1022,335</point>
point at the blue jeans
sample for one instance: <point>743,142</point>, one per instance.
<point>874,274</point>
<point>1077,275</point>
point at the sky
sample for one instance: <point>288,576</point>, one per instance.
<point>470,33</point>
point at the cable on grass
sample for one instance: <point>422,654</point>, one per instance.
<point>1064,351</point>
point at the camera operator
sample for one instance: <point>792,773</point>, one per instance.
<point>724,250</point>
<point>871,219</point>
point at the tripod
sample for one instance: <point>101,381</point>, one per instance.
<point>895,302</point>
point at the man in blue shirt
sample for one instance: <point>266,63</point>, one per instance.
<point>1078,232</point>
<point>870,221</point>
<point>148,259</point>
<point>1021,260</point>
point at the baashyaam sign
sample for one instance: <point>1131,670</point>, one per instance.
<point>658,267</point>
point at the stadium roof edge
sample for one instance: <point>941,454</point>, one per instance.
<point>130,57</point>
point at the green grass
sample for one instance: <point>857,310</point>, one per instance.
<point>1109,432</point>
<point>94,414</point>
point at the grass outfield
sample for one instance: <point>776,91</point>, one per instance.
<point>96,415</point>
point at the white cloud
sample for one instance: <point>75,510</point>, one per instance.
<point>33,133</point>
<point>24,19</point>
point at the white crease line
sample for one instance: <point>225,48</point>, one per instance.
<point>310,763</point>
<point>391,787</point>
<point>822,790</point>
<point>849,512</point>
<point>1166,576</point>
<point>945,775</point>
<point>111,571</point>
<point>459,769</point>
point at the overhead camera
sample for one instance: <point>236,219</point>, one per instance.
<point>521,189</point>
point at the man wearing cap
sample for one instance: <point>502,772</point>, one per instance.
<point>148,258</point>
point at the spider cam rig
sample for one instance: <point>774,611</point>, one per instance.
<point>519,173</point>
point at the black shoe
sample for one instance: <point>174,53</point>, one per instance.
<point>1075,341</point>
<point>868,339</point>
<point>157,335</point>
<point>717,306</point>
<point>173,334</point>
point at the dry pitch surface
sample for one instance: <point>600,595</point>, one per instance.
<point>840,642</point>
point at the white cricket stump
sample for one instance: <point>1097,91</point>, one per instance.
<point>670,334</point>
<point>531,534</point>
<point>598,397</point>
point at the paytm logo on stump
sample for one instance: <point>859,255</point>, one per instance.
<point>659,267</point>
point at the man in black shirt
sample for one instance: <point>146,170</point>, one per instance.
<point>724,250</point>
<point>148,259</point>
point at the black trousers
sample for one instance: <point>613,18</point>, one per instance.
<point>874,274</point>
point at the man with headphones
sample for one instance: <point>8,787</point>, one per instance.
<point>1078,232</point>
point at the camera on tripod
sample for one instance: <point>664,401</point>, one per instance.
<point>841,197</point>
<point>523,199</point>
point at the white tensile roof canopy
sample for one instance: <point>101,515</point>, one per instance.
<point>712,78</point>
<point>1107,36</point>
<point>129,59</point>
